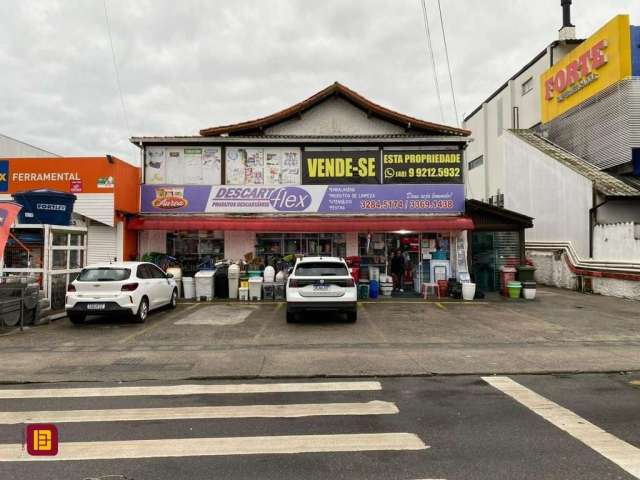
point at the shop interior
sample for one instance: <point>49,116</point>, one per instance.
<point>426,256</point>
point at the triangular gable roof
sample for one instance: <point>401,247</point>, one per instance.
<point>349,95</point>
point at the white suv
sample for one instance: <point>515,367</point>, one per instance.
<point>321,283</point>
<point>130,288</point>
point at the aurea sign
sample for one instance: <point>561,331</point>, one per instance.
<point>595,64</point>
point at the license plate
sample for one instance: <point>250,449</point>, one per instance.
<point>96,306</point>
<point>321,287</point>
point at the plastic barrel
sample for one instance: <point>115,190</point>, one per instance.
<point>373,289</point>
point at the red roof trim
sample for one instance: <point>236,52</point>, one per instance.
<point>304,224</point>
<point>350,95</point>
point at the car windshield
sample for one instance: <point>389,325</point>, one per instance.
<point>321,269</point>
<point>106,274</point>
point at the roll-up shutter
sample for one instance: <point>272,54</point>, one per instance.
<point>507,245</point>
<point>101,244</point>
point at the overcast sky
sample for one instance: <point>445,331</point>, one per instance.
<point>186,65</point>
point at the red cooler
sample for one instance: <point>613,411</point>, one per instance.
<point>507,274</point>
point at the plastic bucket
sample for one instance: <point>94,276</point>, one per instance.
<point>529,293</point>
<point>514,289</point>
<point>189,287</point>
<point>468,291</point>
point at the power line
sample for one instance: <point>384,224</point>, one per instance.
<point>446,53</point>
<point>433,60</point>
<point>115,68</point>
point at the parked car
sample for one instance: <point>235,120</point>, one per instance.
<point>321,284</point>
<point>120,288</point>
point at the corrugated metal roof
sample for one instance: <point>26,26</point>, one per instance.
<point>603,182</point>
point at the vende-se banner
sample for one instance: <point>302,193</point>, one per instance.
<point>340,167</point>
<point>330,199</point>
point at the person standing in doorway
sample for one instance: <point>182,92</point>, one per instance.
<point>397,270</point>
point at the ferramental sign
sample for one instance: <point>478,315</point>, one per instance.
<point>340,167</point>
<point>422,166</point>
<point>595,64</point>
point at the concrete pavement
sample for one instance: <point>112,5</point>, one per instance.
<point>561,331</point>
<point>439,428</point>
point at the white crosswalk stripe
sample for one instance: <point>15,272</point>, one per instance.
<point>170,390</point>
<point>280,443</point>
<point>375,407</point>
<point>190,447</point>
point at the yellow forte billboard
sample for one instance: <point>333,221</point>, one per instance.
<point>598,62</point>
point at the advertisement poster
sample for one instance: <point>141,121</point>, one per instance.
<point>330,199</point>
<point>183,165</point>
<point>340,167</point>
<point>422,166</point>
<point>154,165</point>
<point>175,167</point>
<point>262,166</point>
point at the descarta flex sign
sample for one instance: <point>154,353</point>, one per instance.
<point>597,63</point>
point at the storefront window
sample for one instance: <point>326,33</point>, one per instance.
<point>26,252</point>
<point>75,258</point>
<point>76,239</point>
<point>195,250</point>
<point>270,246</point>
<point>59,239</point>
<point>59,259</point>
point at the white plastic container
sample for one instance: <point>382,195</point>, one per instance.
<point>281,276</point>
<point>255,288</point>
<point>468,291</point>
<point>188,285</point>
<point>243,293</point>
<point>529,293</point>
<point>374,274</point>
<point>269,274</point>
<point>204,284</point>
<point>233,273</point>
<point>177,275</point>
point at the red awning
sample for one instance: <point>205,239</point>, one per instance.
<point>305,224</point>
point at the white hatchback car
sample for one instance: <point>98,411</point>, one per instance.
<point>131,288</point>
<point>321,284</point>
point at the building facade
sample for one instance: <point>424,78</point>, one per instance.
<point>335,174</point>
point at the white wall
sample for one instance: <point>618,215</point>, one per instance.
<point>236,244</point>
<point>334,116</point>
<point>12,148</point>
<point>489,180</point>
<point>617,241</point>
<point>152,241</point>
<point>555,196</point>
<point>553,270</point>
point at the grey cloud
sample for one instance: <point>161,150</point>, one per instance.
<point>193,64</point>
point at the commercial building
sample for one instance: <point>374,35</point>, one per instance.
<point>560,142</point>
<point>335,174</point>
<point>107,195</point>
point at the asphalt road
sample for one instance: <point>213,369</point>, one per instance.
<point>389,428</point>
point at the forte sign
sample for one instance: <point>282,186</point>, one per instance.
<point>577,75</point>
<point>594,65</point>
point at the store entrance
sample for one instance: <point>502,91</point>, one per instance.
<point>425,257</point>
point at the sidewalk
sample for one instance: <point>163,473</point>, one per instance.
<point>561,331</point>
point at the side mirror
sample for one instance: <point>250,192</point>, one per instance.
<point>169,275</point>
<point>290,271</point>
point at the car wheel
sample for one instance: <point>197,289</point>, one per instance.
<point>173,303</point>
<point>143,311</point>
<point>76,318</point>
<point>352,316</point>
<point>291,317</point>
